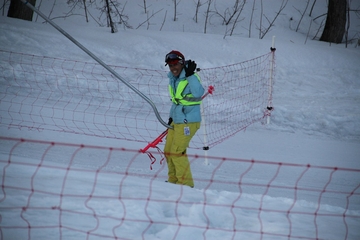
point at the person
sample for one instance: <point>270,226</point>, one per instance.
<point>185,90</point>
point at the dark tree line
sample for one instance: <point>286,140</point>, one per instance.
<point>334,30</point>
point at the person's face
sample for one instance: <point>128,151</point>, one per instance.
<point>175,69</point>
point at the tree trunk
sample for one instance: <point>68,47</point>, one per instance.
<point>108,12</point>
<point>18,9</point>
<point>335,22</point>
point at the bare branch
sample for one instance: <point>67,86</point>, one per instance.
<point>283,5</point>
<point>175,8</point>
<point>198,5</point>
<point>148,18</point>
<point>232,13</point>
<point>312,8</point>
<point>320,27</point>
<point>320,16</point>
<point>251,17</point>
<point>261,15</point>
<point>207,15</point>
<point>163,23</point>
<point>237,17</point>
<point>302,15</point>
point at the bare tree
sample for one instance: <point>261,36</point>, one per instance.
<point>82,4</point>
<point>307,34</point>
<point>148,18</point>
<point>163,23</point>
<point>229,14</point>
<point>237,18</point>
<point>320,27</point>
<point>236,12</point>
<point>356,36</point>
<point>302,15</point>
<point>38,7</point>
<point>261,15</point>
<point>335,22</point>
<point>85,9</point>
<point>114,10</point>
<point>347,24</point>
<point>175,9</point>
<point>119,14</point>
<point>271,23</point>
<point>310,13</point>
<point>207,15</point>
<point>85,4</point>
<point>145,9</point>
<point>251,17</point>
<point>198,5</point>
<point>3,6</point>
<point>109,18</point>
<point>18,10</point>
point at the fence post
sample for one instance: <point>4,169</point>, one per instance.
<point>205,147</point>
<point>271,78</point>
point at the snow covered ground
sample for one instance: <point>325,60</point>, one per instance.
<point>316,121</point>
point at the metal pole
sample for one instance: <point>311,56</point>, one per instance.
<point>206,147</point>
<point>272,60</point>
<point>99,61</point>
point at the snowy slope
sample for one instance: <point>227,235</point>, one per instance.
<point>316,121</point>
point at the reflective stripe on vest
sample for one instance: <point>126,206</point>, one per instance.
<point>187,100</point>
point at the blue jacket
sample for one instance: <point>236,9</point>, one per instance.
<point>180,113</point>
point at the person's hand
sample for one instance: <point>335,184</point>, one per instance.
<point>190,68</point>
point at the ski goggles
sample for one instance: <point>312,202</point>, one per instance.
<point>171,57</point>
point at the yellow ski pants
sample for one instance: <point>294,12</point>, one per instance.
<point>177,141</point>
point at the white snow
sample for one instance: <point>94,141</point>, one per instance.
<point>316,121</point>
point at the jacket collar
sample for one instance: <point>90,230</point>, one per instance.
<point>180,77</point>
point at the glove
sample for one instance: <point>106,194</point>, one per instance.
<point>170,121</point>
<point>190,68</point>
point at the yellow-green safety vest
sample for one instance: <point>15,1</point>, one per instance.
<point>186,100</point>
